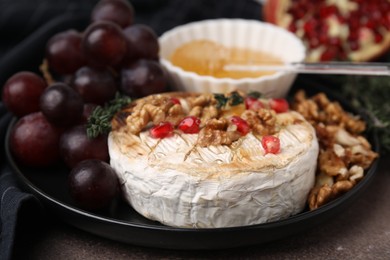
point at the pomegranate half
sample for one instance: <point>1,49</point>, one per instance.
<point>356,30</point>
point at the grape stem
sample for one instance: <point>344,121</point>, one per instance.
<point>44,68</point>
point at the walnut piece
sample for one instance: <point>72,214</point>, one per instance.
<point>320,195</point>
<point>217,132</point>
<point>344,152</point>
<point>156,109</point>
<point>215,125</point>
<point>262,122</point>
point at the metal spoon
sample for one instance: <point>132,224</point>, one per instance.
<point>346,68</point>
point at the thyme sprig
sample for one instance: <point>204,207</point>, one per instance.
<point>99,122</point>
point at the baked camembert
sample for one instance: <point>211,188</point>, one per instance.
<point>213,160</point>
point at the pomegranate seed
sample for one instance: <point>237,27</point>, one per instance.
<point>385,21</point>
<point>296,12</point>
<point>329,54</point>
<point>189,125</point>
<point>369,24</point>
<point>336,41</point>
<point>175,101</point>
<point>341,19</point>
<point>378,37</point>
<point>376,15</point>
<point>353,36</point>
<point>326,11</point>
<point>162,130</point>
<point>314,42</point>
<point>323,38</point>
<point>280,105</point>
<point>242,125</point>
<point>310,27</point>
<point>354,45</point>
<point>271,144</point>
<point>292,27</point>
<point>354,21</point>
<point>253,103</point>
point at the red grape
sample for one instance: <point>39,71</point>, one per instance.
<point>93,184</point>
<point>63,52</point>
<point>143,78</point>
<point>61,104</point>
<point>76,146</point>
<point>34,141</point>
<point>142,42</point>
<point>104,44</point>
<point>22,91</point>
<point>120,12</point>
<point>94,85</point>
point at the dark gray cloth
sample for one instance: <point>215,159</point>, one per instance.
<point>26,24</point>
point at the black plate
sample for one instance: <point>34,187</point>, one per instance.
<point>122,223</point>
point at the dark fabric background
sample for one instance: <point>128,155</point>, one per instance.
<point>24,27</point>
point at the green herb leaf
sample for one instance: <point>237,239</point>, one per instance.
<point>221,100</point>
<point>235,99</point>
<point>99,121</point>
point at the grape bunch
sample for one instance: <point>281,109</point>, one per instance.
<point>83,71</point>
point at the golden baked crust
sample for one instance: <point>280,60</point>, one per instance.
<point>130,133</point>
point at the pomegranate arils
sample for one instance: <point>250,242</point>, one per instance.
<point>329,54</point>
<point>292,27</point>
<point>326,11</point>
<point>280,105</point>
<point>334,30</point>
<point>175,101</point>
<point>378,37</point>
<point>189,125</point>
<point>253,103</point>
<point>335,41</point>
<point>271,144</point>
<point>162,130</point>
<point>310,26</point>
<point>353,45</point>
<point>297,12</point>
<point>314,42</point>
<point>242,126</point>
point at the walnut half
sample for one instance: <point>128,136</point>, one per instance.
<point>217,132</point>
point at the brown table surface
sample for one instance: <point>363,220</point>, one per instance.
<point>361,231</point>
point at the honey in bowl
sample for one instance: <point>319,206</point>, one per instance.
<point>209,58</point>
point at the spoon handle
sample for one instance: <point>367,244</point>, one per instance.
<point>346,68</point>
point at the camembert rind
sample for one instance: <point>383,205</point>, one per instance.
<point>180,184</point>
